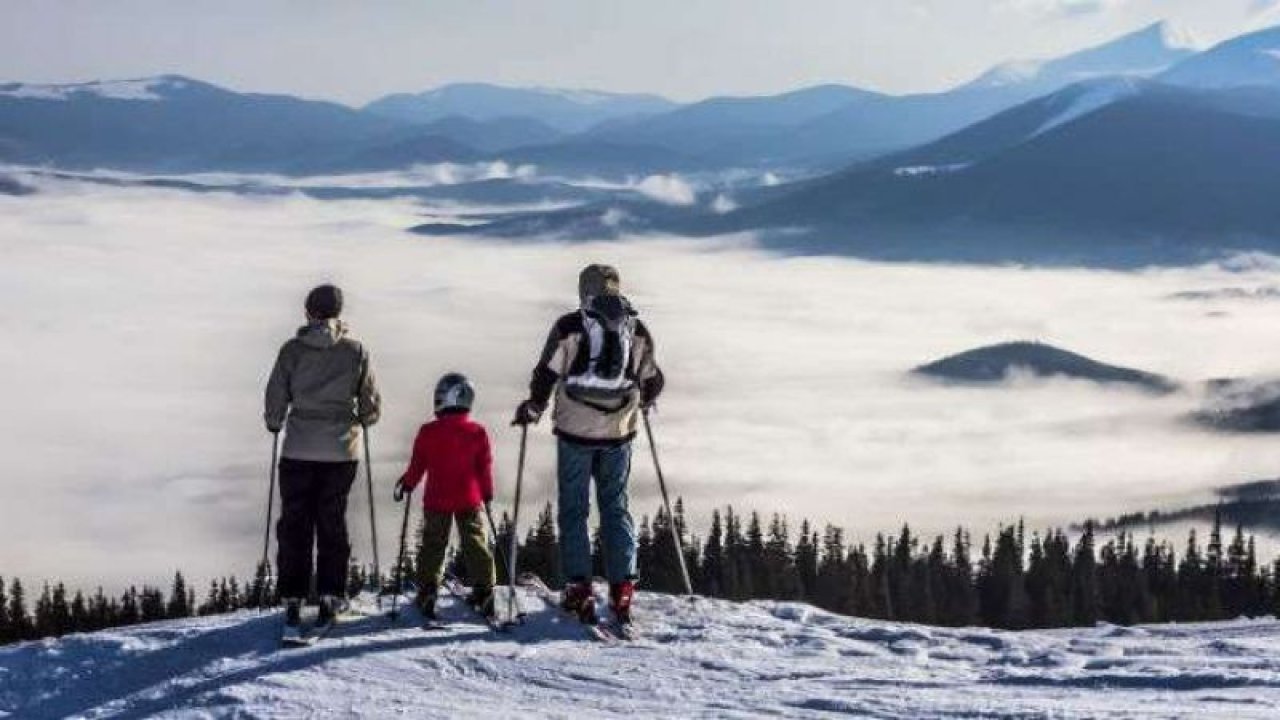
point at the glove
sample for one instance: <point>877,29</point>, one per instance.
<point>529,413</point>
<point>401,492</point>
<point>273,430</point>
<point>648,402</point>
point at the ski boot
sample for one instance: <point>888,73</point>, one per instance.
<point>481,600</point>
<point>426,602</point>
<point>331,606</point>
<point>578,599</point>
<point>292,620</point>
<point>620,596</point>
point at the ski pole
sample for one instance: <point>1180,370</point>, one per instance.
<point>373,518</point>
<point>502,558</point>
<point>666,503</point>
<point>404,533</point>
<point>266,533</point>
<point>515,515</point>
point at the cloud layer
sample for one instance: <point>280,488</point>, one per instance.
<point>140,326</point>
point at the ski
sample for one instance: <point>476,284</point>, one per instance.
<point>309,634</point>
<point>598,631</point>
<point>306,637</point>
<point>454,587</point>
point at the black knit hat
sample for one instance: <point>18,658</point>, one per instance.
<point>324,302</point>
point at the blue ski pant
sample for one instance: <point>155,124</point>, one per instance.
<point>610,466</point>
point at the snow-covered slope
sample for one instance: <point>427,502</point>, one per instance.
<point>1139,54</point>
<point>1249,60</point>
<point>700,658</point>
<point>152,88</point>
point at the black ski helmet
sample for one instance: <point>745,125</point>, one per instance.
<point>454,392</point>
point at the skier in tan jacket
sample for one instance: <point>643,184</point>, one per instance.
<point>323,395</point>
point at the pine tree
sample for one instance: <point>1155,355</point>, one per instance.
<point>712,569</point>
<point>1084,580</point>
<point>807,561</point>
<point>60,611</point>
<point>20,625</point>
<point>1189,601</point>
<point>6,631</point>
<point>179,606</point>
<point>151,605</point>
<point>80,619</point>
<point>99,616</point>
<point>960,606</point>
<point>834,588</point>
<point>541,553</point>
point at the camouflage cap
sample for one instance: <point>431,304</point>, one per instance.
<point>597,280</point>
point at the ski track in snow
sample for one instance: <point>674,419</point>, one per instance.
<point>698,658</point>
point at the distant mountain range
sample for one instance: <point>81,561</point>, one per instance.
<point>174,123</point>
<point>998,363</point>
<point>1130,170</point>
<point>1139,150</point>
<point>566,111</point>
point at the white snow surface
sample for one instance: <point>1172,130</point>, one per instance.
<point>699,658</point>
<point>137,89</point>
<point>1092,98</point>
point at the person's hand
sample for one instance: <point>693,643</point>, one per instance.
<point>528,413</point>
<point>648,402</point>
<point>401,491</point>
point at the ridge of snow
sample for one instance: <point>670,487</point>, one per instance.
<point>138,89</point>
<point>1252,59</point>
<point>697,658</point>
<point>1091,99</point>
<point>1128,55</point>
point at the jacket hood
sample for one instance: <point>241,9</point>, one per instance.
<point>322,334</point>
<point>611,308</point>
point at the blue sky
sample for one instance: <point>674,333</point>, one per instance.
<point>686,49</point>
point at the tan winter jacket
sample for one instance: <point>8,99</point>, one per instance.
<point>576,421</point>
<point>321,391</point>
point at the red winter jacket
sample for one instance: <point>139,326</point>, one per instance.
<point>453,454</point>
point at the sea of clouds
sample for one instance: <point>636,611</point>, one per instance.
<point>139,326</point>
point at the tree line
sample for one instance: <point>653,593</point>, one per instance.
<point>1012,580</point>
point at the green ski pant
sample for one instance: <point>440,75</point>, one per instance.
<point>476,557</point>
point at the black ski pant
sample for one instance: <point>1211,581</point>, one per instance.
<point>313,515</point>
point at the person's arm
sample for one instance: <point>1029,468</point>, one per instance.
<point>368,400</point>
<point>278,394</point>
<point>417,463</point>
<point>650,376</point>
<point>484,466</point>
<point>545,375</point>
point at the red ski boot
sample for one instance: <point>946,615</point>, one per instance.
<point>620,596</point>
<point>578,599</point>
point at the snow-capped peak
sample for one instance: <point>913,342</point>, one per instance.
<point>1175,36</point>
<point>141,89</point>
<point>1142,53</point>
<point>1252,59</point>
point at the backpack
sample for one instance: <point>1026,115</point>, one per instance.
<point>601,376</point>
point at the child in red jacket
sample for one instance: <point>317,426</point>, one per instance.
<point>452,453</point>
